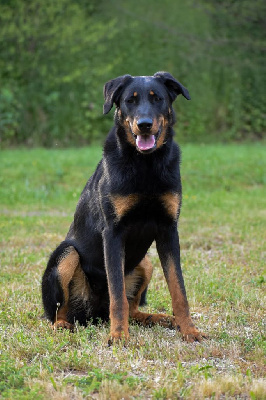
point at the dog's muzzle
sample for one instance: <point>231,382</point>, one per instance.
<point>145,140</point>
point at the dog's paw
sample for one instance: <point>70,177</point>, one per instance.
<point>62,324</point>
<point>192,334</point>
<point>118,337</point>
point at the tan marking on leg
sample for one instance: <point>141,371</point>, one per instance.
<point>181,308</point>
<point>171,202</point>
<point>143,272</point>
<point>119,319</point>
<point>123,204</point>
<point>66,270</point>
<point>140,276</point>
<point>180,304</point>
<point>80,287</point>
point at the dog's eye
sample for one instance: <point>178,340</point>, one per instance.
<point>157,98</point>
<point>131,100</point>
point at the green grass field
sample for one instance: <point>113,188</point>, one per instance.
<point>222,231</point>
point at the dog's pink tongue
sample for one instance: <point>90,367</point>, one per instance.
<point>145,143</point>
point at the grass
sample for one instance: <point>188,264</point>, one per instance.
<point>222,230</point>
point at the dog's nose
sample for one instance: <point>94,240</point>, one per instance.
<point>144,124</point>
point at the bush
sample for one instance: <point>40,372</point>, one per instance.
<point>49,54</point>
<point>56,56</point>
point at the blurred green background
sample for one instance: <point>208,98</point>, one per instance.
<point>55,57</point>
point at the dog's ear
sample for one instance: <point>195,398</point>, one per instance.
<point>112,91</point>
<point>174,87</point>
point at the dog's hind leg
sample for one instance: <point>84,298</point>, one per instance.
<point>61,268</point>
<point>136,283</point>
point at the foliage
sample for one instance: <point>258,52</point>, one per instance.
<point>240,35</point>
<point>56,56</point>
<point>48,56</point>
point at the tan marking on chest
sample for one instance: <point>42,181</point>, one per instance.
<point>123,204</point>
<point>171,202</point>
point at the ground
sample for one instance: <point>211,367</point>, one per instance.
<point>222,232</point>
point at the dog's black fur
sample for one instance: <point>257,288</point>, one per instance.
<point>101,269</point>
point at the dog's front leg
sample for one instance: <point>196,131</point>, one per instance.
<point>169,252</point>
<point>114,265</point>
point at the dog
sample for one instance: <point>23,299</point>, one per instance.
<point>101,269</point>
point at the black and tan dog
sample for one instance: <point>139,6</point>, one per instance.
<point>101,269</point>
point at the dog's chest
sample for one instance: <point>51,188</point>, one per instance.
<point>137,207</point>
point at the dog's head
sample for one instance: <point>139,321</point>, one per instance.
<point>144,107</point>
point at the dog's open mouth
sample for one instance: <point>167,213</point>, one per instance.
<point>146,142</point>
